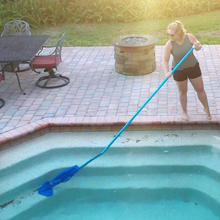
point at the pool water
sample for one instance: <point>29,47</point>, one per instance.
<point>145,175</point>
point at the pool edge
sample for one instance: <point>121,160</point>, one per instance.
<point>110,123</point>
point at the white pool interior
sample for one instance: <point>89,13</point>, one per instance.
<point>144,174</point>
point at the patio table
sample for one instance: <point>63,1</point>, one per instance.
<point>17,49</point>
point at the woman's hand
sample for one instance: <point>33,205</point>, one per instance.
<point>168,75</point>
<point>197,45</point>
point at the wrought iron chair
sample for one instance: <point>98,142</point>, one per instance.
<point>2,101</point>
<point>50,62</point>
<point>17,28</point>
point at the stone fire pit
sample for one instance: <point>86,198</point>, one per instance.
<point>135,54</point>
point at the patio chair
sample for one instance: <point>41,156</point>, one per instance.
<point>2,101</point>
<point>17,28</point>
<point>49,62</point>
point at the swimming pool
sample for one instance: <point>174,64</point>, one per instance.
<point>144,175</point>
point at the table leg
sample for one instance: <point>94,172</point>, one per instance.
<point>19,83</point>
<point>11,67</point>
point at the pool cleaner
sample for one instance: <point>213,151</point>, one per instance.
<point>47,188</point>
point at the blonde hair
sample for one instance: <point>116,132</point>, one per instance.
<point>177,27</point>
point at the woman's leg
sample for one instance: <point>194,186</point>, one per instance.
<point>182,87</point>
<point>199,87</point>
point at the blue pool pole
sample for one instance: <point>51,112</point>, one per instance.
<point>47,188</point>
<point>126,125</point>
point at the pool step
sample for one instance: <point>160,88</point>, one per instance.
<point>115,157</point>
<point>97,189</point>
<point>31,173</point>
<point>197,177</point>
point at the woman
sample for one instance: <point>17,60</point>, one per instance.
<point>179,44</point>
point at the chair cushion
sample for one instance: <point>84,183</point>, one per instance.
<point>45,62</point>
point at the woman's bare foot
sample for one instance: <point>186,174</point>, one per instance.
<point>185,116</point>
<point>208,115</point>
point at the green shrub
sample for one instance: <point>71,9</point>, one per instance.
<point>40,13</point>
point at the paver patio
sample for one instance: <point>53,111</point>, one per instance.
<point>98,94</point>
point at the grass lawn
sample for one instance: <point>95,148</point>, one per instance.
<point>206,27</point>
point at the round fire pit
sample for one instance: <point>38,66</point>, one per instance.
<point>135,54</point>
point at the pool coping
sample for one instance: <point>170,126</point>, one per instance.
<point>110,123</point>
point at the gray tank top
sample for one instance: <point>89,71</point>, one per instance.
<point>179,51</point>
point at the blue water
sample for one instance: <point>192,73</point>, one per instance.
<point>165,175</point>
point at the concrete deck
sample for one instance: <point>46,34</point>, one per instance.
<point>98,95</point>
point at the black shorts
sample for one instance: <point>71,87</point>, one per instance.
<point>190,72</point>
